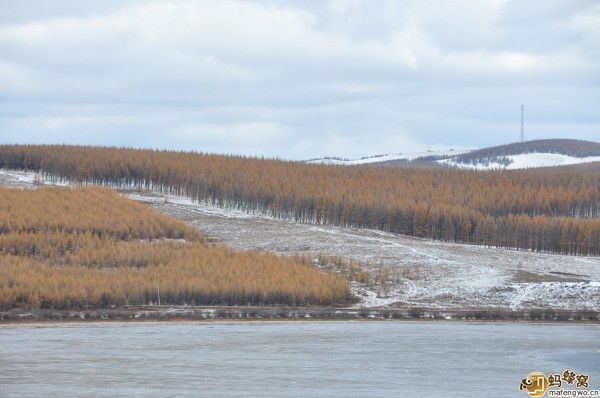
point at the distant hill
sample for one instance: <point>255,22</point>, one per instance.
<point>522,155</point>
<point>393,159</point>
<point>529,154</point>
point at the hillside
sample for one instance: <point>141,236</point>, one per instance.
<point>540,210</point>
<point>401,159</point>
<point>388,270</point>
<point>529,154</point>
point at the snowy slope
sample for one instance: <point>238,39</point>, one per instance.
<point>524,161</point>
<point>409,156</point>
<point>519,155</point>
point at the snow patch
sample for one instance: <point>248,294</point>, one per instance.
<point>408,156</point>
<point>557,295</point>
<point>525,161</point>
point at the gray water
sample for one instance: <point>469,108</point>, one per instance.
<point>300,359</point>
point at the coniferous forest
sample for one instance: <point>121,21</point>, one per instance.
<point>553,210</point>
<point>88,247</point>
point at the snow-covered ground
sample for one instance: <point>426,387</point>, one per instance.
<point>521,161</point>
<point>525,161</point>
<point>25,179</point>
<point>424,272</point>
<point>387,157</point>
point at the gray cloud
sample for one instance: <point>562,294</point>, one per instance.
<point>298,80</point>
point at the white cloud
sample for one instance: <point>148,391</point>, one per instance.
<point>322,75</point>
<point>243,133</point>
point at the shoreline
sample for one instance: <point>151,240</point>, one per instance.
<point>133,323</point>
<point>209,314</point>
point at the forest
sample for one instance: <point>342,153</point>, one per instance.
<point>89,247</point>
<point>554,210</point>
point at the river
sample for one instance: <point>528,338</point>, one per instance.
<point>299,359</point>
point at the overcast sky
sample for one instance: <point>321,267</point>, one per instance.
<point>298,79</point>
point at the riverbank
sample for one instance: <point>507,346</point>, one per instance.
<point>183,313</point>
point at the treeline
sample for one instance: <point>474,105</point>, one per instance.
<point>66,248</point>
<point>555,210</point>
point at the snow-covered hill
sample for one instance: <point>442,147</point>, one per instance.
<point>522,155</point>
<point>395,157</point>
<point>529,154</point>
<point>523,161</point>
